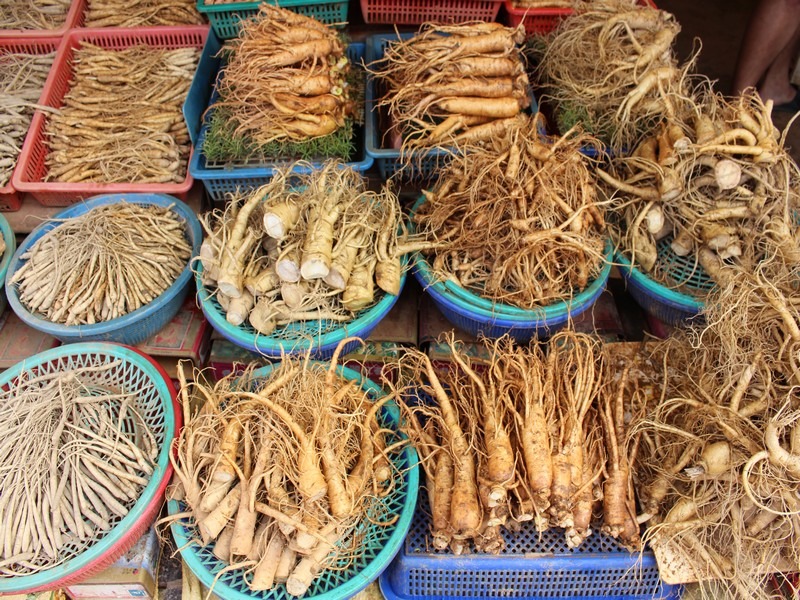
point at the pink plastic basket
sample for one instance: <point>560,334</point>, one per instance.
<point>10,198</point>
<point>31,169</point>
<point>76,15</point>
<point>539,21</point>
<point>416,12</point>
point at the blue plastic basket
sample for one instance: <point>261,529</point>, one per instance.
<point>320,336</point>
<point>11,246</point>
<point>222,180</point>
<point>136,326</point>
<point>668,305</point>
<point>155,401</point>
<point>226,18</point>
<point>379,545</point>
<point>532,565</point>
<point>425,166</point>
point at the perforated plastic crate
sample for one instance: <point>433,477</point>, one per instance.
<point>221,179</point>
<point>416,12</point>
<point>10,198</point>
<point>31,169</point>
<point>539,21</point>
<point>424,167</point>
<point>226,18</point>
<point>532,565</point>
<point>76,15</point>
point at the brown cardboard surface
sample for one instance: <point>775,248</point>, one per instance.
<point>187,335</point>
<point>18,341</point>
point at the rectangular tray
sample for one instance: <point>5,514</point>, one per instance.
<point>541,21</point>
<point>76,15</point>
<point>416,12</point>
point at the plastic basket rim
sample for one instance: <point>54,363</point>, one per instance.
<point>654,288</point>
<point>272,347</point>
<point>374,567</point>
<point>253,5</point>
<point>60,330</point>
<point>11,246</point>
<point>203,173</point>
<point>161,472</point>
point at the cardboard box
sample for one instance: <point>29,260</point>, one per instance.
<point>226,357</point>
<point>54,595</point>
<point>133,575</point>
<point>186,337</point>
<point>18,341</point>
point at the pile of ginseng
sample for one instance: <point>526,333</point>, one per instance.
<point>520,435</point>
<point>102,264</point>
<point>121,120</point>
<point>454,85</point>
<point>285,473</point>
<point>22,78</point>
<point>33,14</point>
<point>517,221</point>
<point>141,13</point>
<point>286,81</point>
<point>303,247</point>
<point>611,66</point>
<point>75,458</point>
<point>713,187</point>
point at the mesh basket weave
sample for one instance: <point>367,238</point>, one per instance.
<point>155,402</point>
<point>378,543</point>
<point>11,247</point>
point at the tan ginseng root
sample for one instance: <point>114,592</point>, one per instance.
<point>141,13</point>
<point>102,264</point>
<point>286,78</point>
<point>450,82</point>
<point>611,66</point>
<point>33,14</point>
<point>519,221</point>
<point>303,485</point>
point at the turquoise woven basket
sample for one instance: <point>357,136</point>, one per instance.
<point>11,247</point>
<point>155,401</point>
<point>379,543</point>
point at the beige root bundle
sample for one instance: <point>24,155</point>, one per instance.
<point>518,221</point>
<point>121,120</point>
<point>103,264</point>
<point>141,13</point>
<point>304,247</point>
<point>33,14</point>
<point>719,189</point>
<point>611,66</point>
<point>22,78</point>
<point>286,78</point>
<point>454,84</point>
<point>520,436</point>
<point>280,473</point>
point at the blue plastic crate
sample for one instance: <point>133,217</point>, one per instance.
<point>425,166</point>
<point>220,181</point>
<point>532,565</point>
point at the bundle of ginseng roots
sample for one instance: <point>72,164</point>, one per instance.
<point>33,14</point>
<point>523,436</point>
<point>518,221</point>
<point>714,186</point>
<point>304,247</point>
<point>141,13</point>
<point>611,66</point>
<point>280,472</point>
<point>121,120</point>
<point>285,79</point>
<point>453,85</point>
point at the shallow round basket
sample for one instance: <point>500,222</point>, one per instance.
<point>379,543</point>
<point>136,326</point>
<point>11,246</point>
<point>668,305</point>
<point>156,403</point>
<point>479,316</point>
<point>319,336</point>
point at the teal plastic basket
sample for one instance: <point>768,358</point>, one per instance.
<point>136,326</point>
<point>156,403</point>
<point>319,336</point>
<point>11,247</point>
<point>226,18</point>
<point>668,305</point>
<point>379,544</point>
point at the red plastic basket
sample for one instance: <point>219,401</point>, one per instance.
<point>539,21</point>
<point>416,12</point>
<point>31,169</point>
<point>10,198</point>
<point>76,15</point>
